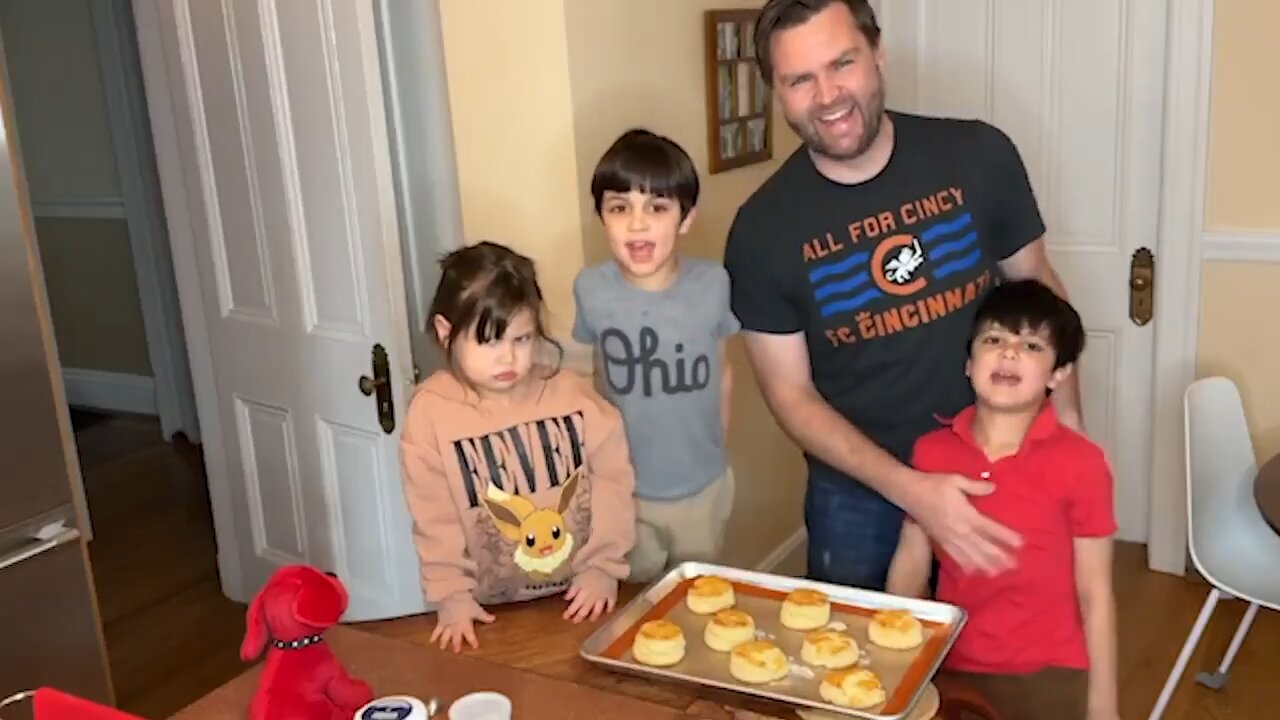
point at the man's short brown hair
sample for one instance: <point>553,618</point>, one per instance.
<point>779,15</point>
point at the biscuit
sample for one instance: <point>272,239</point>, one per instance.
<point>710,594</point>
<point>729,628</point>
<point>895,630</point>
<point>856,688</point>
<point>659,643</point>
<point>805,610</point>
<point>758,662</point>
<point>829,649</point>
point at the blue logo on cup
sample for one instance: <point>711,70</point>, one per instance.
<point>387,710</point>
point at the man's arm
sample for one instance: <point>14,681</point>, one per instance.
<point>1032,263</point>
<point>781,364</point>
<point>939,503</point>
<point>1098,609</point>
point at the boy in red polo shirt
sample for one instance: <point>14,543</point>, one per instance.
<point>1040,641</point>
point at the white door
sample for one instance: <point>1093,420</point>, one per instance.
<point>272,142</point>
<point>1079,87</point>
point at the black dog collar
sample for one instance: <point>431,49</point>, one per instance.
<point>296,644</point>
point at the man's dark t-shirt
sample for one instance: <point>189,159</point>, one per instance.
<point>884,277</point>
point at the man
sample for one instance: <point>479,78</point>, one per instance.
<point>856,270</point>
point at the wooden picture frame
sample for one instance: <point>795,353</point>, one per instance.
<point>739,104</point>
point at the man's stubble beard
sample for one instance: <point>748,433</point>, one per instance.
<point>872,119</point>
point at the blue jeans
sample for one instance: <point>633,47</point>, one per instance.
<point>853,531</point>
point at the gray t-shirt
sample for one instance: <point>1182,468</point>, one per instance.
<point>659,352</point>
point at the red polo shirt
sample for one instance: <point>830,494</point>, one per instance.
<point>1057,487</point>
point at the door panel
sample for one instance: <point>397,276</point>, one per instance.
<point>281,158</point>
<point>1079,87</point>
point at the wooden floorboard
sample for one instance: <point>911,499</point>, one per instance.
<point>172,636</point>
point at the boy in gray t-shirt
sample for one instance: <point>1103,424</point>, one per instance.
<point>658,323</point>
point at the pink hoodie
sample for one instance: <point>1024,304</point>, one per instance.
<point>510,503</point>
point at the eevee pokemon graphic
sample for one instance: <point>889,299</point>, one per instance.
<point>543,542</point>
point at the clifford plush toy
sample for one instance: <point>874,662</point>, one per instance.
<point>302,680</point>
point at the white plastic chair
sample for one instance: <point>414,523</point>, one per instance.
<point>1231,545</point>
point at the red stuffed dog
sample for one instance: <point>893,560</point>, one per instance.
<point>302,679</point>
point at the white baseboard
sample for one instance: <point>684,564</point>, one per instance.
<point>1241,245</point>
<point>780,553</point>
<point>103,390</point>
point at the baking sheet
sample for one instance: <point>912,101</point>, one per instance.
<point>905,674</point>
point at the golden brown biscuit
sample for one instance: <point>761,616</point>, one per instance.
<point>758,662</point>
<point>710,594</point>
<point>829,649</point>
<point>895,630</point>
<point>855,688</point>
<point>805,610</point>
<point>659,643</point>
<point>729,628</point>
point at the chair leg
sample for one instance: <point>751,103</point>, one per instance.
<point>1216,680</point>
<point>1188,647</point>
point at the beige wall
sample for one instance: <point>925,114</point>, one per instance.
<point>1244,149</point>
<point>93,297</point>
<point>53,65</point>
<point>1236,339</point>
<point>537,95</point>
<point>508,71</point>
<point>632,66</point>
<point>51,60</point>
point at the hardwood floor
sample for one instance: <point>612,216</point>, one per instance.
<point>172,636</point>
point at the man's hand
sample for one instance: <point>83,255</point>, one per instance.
<point>976,542</point>
<point>938,503</point>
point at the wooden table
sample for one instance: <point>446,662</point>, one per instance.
<point>531,655</point>
<point>1266,490</point>
<point>534,637</point>
<point>396,667</point>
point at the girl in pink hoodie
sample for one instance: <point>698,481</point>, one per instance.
<point>517,476</point>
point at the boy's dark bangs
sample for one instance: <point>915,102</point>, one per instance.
<point>646,172</point>
<point>1017,320</point>
<point>1029,305</point>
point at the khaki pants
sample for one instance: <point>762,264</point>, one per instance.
<point>672,532</point>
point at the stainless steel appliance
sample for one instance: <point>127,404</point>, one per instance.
<point>50,633</point>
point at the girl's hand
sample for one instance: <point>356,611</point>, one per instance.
<point>455,622</point>
<point>591,595</point>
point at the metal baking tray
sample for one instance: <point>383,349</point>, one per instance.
<point>905,674</point>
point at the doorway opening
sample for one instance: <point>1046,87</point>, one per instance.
<point>85,146</point>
